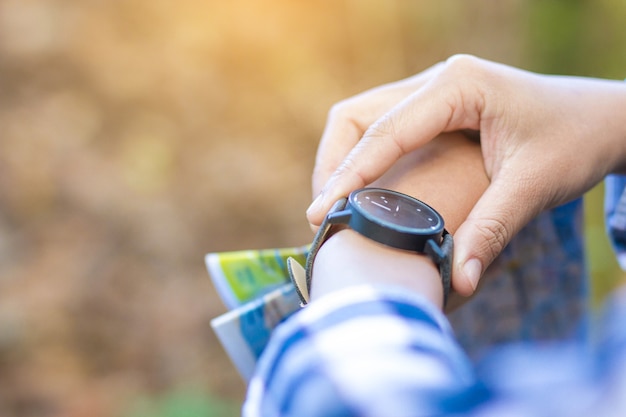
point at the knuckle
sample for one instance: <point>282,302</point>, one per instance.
<point>341,110</point>
<point>462,62</point>
<point>465,68</point>
<point>348,112</point>
<point>495,236</point>
<point>349,168</point>
<point>386,128</point>
<point>382,127</point>
<point>463,82</point>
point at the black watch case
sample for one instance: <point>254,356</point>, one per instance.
<point>390,218</point>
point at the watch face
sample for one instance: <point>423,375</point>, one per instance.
<point>397,209</point>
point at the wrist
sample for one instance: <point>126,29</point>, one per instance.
<point>348,259</point>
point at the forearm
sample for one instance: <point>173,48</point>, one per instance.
<point>349,259</point>
<point>602,104</point>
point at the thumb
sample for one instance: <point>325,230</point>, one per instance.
<point>498,215</point>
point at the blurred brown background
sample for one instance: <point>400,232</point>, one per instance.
<point>137,135</point>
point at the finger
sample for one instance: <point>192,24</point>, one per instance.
<point>439,106</point>
<point>505,207</point>
<point>349,119</point>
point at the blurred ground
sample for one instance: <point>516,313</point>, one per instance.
<point>137,135</point>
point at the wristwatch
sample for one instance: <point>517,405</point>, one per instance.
<point>388,217</point>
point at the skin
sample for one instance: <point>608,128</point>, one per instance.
<point>448,174</point>
<point>545,140</point>
<point>347,259</point>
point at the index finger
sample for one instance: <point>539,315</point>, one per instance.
<point>441,105</point>
<point>349,119</point>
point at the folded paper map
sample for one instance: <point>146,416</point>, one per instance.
<point>254,285</point>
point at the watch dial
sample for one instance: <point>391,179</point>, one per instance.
<point>397,209</point>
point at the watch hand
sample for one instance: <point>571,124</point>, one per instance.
<point>380,205</point>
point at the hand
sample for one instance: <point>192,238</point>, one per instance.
<point>446,173</point>
<point>544,140</point>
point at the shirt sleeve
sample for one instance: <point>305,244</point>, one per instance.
<point>373,352</point>
<point>360,352</point>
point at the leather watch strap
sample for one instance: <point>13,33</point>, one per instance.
<point>442,256</point>
<point>301,281</point>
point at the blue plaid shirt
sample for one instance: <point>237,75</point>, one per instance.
<point>378,351</point>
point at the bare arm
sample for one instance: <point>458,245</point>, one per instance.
<point>447,174</point>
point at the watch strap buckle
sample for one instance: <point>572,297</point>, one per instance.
<point>297,274</point>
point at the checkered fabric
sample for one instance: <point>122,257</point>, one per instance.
<point>378,351</point>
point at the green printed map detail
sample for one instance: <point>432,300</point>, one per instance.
<point>253,273</point>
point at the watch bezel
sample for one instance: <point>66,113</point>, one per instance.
<point>437,245</point>
<point>385,232</point>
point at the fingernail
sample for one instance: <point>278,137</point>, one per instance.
<point>315,205</point>
<point>472,270</point>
